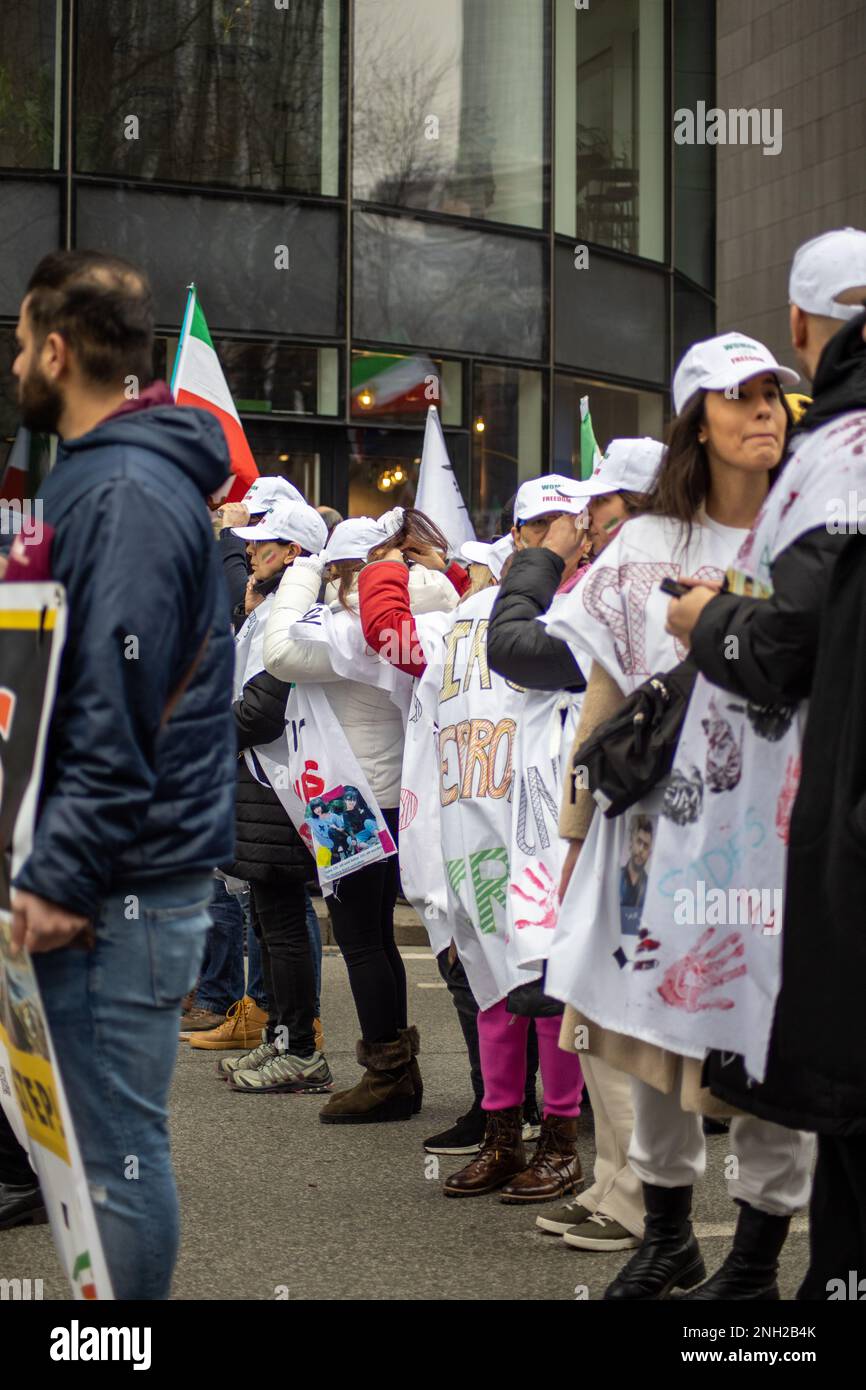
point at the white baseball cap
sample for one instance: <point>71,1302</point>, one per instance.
<point>551,493</point>
<point>719,363</point>
<point>493,555</point>
<point>264,491</point>
<point>288,521</point>
<point>355,538</point>
<point>627,465</point>
<point>828,275</point>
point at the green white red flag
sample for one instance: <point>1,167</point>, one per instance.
<point>198,379</point>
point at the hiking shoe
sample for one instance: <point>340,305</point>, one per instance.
<point>599,1232</point>
<point>464,1136</point>
<point>531,1121</point>
<point>247,1061</point>
<point>564,1217</point>
<point>241,1027</point>
<point>285,1072</point>
<point>195,1020</point>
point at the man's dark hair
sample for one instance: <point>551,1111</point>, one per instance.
<point>103,307</point>
<point>506,516</point>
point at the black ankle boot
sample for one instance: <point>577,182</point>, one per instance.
<point>750,1270</point>
<point>669,1256</point>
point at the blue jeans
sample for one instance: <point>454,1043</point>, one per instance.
<point>114,1013</point>
<point>222,973</point>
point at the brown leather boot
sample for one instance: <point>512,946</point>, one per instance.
<point>414,1040</point>
<point>555,1168</point>
<point>385,1091</point>
<point>501,1156</point>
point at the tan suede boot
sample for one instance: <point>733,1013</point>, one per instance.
<point>385,1091</point>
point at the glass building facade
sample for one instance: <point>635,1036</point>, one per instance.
<point>383,203</point>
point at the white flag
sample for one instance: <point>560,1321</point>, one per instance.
<point>438,492</point>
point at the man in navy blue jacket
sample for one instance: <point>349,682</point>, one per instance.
<point>137,801</point>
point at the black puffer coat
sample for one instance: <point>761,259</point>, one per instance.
<point>267,846</point>
<point>518,646</point>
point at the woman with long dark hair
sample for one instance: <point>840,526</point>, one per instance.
<point>725,448</point>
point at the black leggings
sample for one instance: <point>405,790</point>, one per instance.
<point>362,917</point>
<point>278,916</point>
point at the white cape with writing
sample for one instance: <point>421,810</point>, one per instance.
<point>617,615</point>
<point>422,863</point>
<point>714,901</point>
<point>478,714</point>
<point>545,732</point>
<point>312,761</point>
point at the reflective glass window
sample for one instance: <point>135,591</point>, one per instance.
<point>260,266</point>
<point>399,389</point>
<point>29,85</point>
<point>442,287</point>
<point>29,228</point>
<point>506,433</point>
<point>616,412</point>
<point>610,124</point>
<point>245,93</point>
<point>449,103</point>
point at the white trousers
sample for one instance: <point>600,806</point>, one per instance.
<point>768,1166</point>
<point>616,1189</point>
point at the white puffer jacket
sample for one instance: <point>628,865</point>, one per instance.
<point>371,723</point>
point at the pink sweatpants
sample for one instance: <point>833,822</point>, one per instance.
<point>502,1040</point>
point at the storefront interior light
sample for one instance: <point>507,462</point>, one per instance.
<point>365,399</point>
<point>479,425</point>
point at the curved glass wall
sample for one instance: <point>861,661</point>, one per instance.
<point>374,194</point>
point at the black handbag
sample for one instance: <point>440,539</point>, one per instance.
<point>630,753</point>
<point>530,1000</point>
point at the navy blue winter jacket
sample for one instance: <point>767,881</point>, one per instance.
<point>126,796</point>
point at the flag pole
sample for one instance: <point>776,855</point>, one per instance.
<point>184,331</point>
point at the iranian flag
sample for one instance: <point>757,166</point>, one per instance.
<point>198,379</point>
<point>590,454</point>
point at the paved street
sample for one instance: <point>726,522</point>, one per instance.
<point>272,1199</point>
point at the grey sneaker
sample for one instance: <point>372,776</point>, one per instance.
<point>247,1061</point>
<point>600,1232</point>
<point>564,1217</point>
<point>285,1072</point>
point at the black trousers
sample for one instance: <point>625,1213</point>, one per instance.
<point>14,1165</point>
<point>467,1012</point>
<point>278,916</point>
<point>362,917</point>
<point>837,1220</point>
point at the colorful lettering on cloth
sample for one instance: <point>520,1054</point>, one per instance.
<point>601,944</point>
<point>715,895</point>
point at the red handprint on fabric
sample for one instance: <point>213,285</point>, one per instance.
<point>688,979</point>
<point>787,797</point>
<point>545,897</point>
